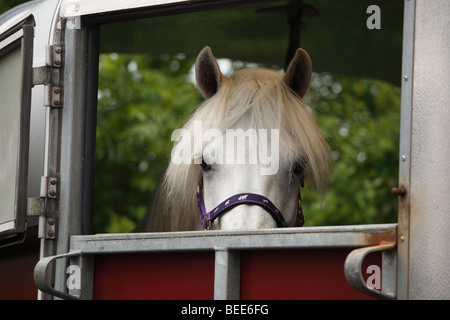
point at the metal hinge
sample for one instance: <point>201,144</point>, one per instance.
<point>37,207</point>
<point>48,75</point>
<point>49,187</point>
<point>49,190</point>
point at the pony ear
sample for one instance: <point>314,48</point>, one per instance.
<point>207,73</point>
<point>298,73</point>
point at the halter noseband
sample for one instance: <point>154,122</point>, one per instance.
<point>244,198</point>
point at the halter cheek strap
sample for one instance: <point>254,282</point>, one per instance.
<point>244,198</point>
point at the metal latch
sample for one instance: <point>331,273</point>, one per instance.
<point>353,270</point>
<point>48,75</point>
<point>42,275</point>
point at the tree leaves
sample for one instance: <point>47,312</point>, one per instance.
<point>141,101</point>
<point>361,121</point>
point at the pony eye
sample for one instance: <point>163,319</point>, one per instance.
<point>205,166</point>
<point>298,168</point>
<point>299,165</point>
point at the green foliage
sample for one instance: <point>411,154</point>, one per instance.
<point>143,99</point>
<point>5,5</point>
<point>361,119</point>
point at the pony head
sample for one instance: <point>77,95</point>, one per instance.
<point>252,135</point>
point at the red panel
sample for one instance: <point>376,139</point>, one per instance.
<point>17,264</point>
<point>304,274</point>
<point>269,274</point>
<point>187,275</point>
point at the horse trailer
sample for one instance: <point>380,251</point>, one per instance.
<point>49,65</point>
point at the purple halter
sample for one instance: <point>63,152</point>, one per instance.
<point>244,198</point>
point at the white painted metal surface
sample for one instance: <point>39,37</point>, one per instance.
<point>74,8</point>
<point>429,229</point>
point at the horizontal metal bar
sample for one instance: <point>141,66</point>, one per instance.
<point>310,237</point>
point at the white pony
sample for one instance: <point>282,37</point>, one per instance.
<point>251,103</point>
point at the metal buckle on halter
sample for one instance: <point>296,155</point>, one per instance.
<point>208,226</point>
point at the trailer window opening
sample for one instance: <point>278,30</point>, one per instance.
<point>146,91</point>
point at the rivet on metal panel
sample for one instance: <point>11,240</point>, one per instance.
<point>55,97</point>
<point>399,191</point>
<point>50,228</point>
<point>53,56</point>
<point>52,187</point>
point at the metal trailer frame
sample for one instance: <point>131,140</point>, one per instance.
<point>424,207</point>
<point>415,250</point>
<point>227,247</point>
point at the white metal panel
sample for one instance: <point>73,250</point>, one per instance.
<point>10,84</point>
<point>429,268</point>
<point>73,8</point>
<point>44,16</point>
<point>16,48</point>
